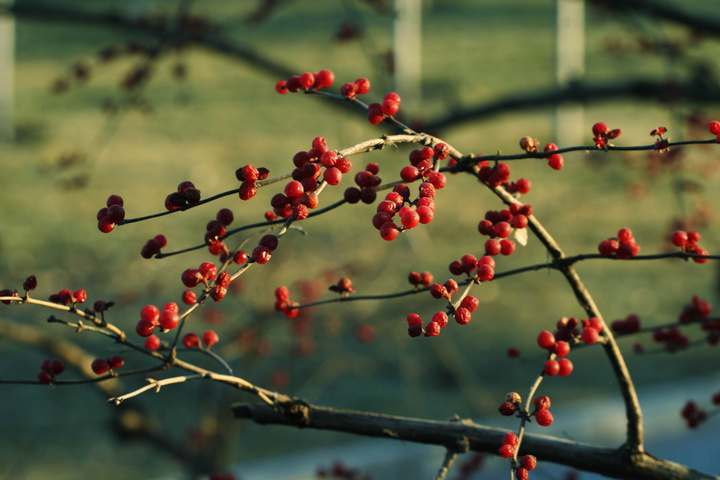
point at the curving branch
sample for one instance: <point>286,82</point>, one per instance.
<point>457,435</point>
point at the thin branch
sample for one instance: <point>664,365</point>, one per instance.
<point>153,384</point>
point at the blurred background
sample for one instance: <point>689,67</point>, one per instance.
<point>134,97</point>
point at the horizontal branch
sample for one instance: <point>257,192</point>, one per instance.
<point>582,92</point>
<point>459,434</point>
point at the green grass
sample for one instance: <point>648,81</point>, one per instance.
<point>232,116</point>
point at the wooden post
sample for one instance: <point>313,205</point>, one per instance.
<point>570,128</point>
<point>407,51</point>
<point>7,72</point>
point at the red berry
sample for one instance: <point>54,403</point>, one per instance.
<point>389,231</point>
<point>363,86</point>
<point>432,329</point>
<point>152,342</point>
<point>542,403</point>
<point>105,225</point>
<point>332,176</point>
<point>210,338</point>
<point>599,128</point>
<point>506,451</point>
<point>714,127</point>
<point>522,474</point>
<point>191,277</point>
<point>144,328</point>
<point>551,368</point>
<point>281,88</point>
<point>294,189</point>
<point>261,254</point>
<point>426,214</point>
<point>492,247</point>
<point>556,161</point>
<point>391,104</point>
<point>679,238</point>
<point>100,366</point>
<point>528,462</point>
<point>441,319</point>
<point>44,377</point>
<point>414,319</point>
<point>507,409</point>
<point>546,339</point>
<point>590,336</point>
<point>438,291</point>
<point>375,113</point>
<point>410,219</point>
<point>150,312</point>
<point>544,418</point>
<point>510,439</point>
<point>463,316</point>
<point>566,367</point>
<point>189,297</point>
<point>168,319</point>
<point>56,366</point>
<point>325,78</point>
<point>115,362</point>
<point>507,246</point>
<point>470,303</point>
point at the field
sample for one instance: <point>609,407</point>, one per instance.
<point>226,114</point>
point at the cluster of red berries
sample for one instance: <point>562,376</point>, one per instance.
<point>512,404</point>
<point>249,175</point>
<point>216,229</point>
<point>366,182</point>
<point>526,463</point>
<point>299,196</point>
<point>377,112</point>
<point>100,366</point>
<point>623,246</point>
<point>152,247</point>
<point>423,278</point>
<point>557,364</point>
<point>114,213</point>
<point>483,268</point>
<point>67,297</point>
<point>351,90</point>
<point>49,368</point>
<point>568,331</point>
<point>284,304</point>
<point>8,293</point>
<point>695,310</point>
<point>500,224</point>
<point>343,286</point>
<point>209,338</point>
<point>693,415</point>
<point>714,128</point>
<point>672,339</point>
<point>462,315</point>
<point>410,217</point>
<point>151,317</point>
<point>602,134</point>
<point>422,165</point>
<point>306,81</point>
<point>186,194</point>
<point>688,242</point>
<point>630,324</point>
<point>531,145</point>
<point>555,160</point>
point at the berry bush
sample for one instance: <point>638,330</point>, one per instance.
<point>285,255</point>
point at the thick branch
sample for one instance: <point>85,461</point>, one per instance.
<point>646,89</point>
<point>454,434</point>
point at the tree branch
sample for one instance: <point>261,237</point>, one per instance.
<point>610,462</point>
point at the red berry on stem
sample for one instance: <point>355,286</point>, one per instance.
<point>210,338</point>
<point>100,366</point>
<point>152,342</point>
<point>191,340</point>
<point>546,339</point>
<point>544,418</point>
<point>506,451</point>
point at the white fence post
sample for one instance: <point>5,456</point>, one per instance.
<point>570,66</point>
<point>407,51</point>
<point>7,72</point>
